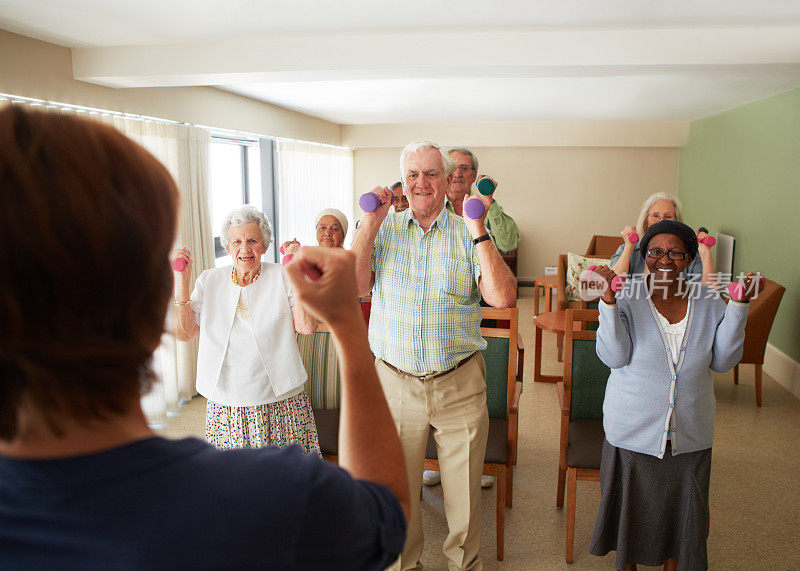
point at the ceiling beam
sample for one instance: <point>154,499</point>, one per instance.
<point>462,54</point>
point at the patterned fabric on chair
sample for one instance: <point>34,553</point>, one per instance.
<point>581,397</point>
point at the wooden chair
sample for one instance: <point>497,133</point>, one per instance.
<point>760,316</point>
<point>502,398</point>
<point>580,396</point>
<point>603,246</point>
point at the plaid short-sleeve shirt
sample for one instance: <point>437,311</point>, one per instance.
<point>425,313</point>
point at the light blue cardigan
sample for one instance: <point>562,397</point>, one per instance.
<point>645,390</point>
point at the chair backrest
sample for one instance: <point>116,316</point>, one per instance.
<point>603,246</point>
<point>318,352</point>
<point>760,316</point>
<point>500,356</point>
<point>585,375</point>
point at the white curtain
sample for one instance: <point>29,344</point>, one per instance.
<point>312,177</point>
<point>183,149</point>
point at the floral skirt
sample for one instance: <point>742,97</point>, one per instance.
<point>288,421</point>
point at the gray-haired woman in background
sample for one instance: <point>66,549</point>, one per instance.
<point>248,365</point>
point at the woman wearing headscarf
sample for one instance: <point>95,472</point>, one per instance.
<point>248,365</point>
<point>662,337</point>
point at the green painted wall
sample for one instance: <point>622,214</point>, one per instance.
<point>740,174</point>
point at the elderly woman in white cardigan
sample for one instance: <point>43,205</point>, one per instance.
<point>661,336</point>
<point>248,365</point>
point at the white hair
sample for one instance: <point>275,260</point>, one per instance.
<point>448,164</point>
<point>465,151</point>
<point>245,215</point>
<point>648,204</point>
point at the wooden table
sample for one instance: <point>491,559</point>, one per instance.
<point>552,321</point>
<point>550,285</point>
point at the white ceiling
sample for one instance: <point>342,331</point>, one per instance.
<point>412,61</point>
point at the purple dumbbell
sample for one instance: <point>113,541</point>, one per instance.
<point>474,208</point>
<point>369,201</point>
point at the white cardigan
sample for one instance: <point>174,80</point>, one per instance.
<point>214,304</point>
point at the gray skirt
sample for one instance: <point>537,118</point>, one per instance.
<point>653,509</point>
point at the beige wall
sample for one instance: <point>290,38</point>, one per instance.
<point>32,68</point>
<point>559,197</point>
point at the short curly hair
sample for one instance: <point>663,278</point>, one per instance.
<point>87,223</point>
<point>245,215</point>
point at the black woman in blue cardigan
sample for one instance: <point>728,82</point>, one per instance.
<point>662,336</point>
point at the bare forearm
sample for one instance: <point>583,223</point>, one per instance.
<point>498,286</point>
<point>709,271</point>
<point>362,248</point>
<point>186,327</point>
<point>304,322</point>
<point>369,447</point>
<point>622,265</point>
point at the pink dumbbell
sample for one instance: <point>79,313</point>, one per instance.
<point>178,264</point>
<point>370,201</point>
<point>474,208</point>
<point>617,282</point>
<point>736,290</point>
<point>288,257</point>
<point>633,237</point>
<point>708,240</point>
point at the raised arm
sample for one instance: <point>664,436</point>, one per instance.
<point>614,346</point>
<point>497,284</point>
<point>505,232</point>
<point>369,447</point>
<point>304,321</point>
<point>365,240</point>
<point>186,327</point>
<point>621,260</point>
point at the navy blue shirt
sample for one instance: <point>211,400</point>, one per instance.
<point>182,504</point>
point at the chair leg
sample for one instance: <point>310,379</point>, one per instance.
<point>572,488</point>
<point>509,487</point>
<point>758,385</point>
<point>501,513</point>
<point>562,480</point>
<point>736,375</point>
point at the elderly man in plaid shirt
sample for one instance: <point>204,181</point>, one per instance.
<point>427,269</point>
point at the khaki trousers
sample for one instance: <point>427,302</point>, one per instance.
<point>455,406</point>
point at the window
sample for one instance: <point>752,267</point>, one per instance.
<point>235,168</point>
<point>290,181</point>
<point>312,177</point>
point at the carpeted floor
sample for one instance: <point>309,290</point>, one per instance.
<point>755,479</point>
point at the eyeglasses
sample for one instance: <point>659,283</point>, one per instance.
<point>464,168</point>
<point>658,253</point>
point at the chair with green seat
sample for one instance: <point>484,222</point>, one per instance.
<point>580,396</point>
<point>503,390</point>
<point>321,362</point>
